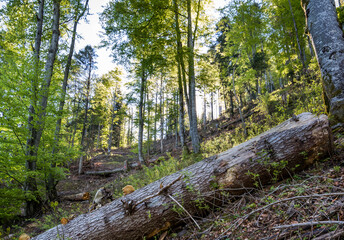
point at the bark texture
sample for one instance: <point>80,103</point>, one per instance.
<point>328,42</point>
<point>150,209</point>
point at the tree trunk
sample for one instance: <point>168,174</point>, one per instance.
<point>297,35</point>
<point>239,103</point>
<point>180,57</point>
<point>148,124</point>
<point>98,137</point>
<point>328,41</point>
<point>161,117</point>
<point>204,109</point>
<point>114,104</point>
<point>153,207</point>
<point>36,129</point>
<point>155,118</point>
<point>84,127</point>
<point>75,121</point>
<point>181,109</point>
<point>140,139</point>
<point>192,86</point>
<point>212,105</point>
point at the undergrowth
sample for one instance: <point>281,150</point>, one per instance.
<point>151,174</point>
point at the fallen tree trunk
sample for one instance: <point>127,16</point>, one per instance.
<point>235,121</point>
<point>105,172</point>
<point>289,147</point>
<point>77,197</point>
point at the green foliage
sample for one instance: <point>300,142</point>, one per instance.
<point>152,174</point>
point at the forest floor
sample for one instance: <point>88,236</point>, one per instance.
<point>314,195</point>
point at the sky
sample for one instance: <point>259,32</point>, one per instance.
<point>91,30</point>
<point>91,34</point>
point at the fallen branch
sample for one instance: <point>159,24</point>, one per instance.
<point>309,224</point>
<point>105,172</point>
<point>77,197</point>
<point>331,235</point>
<point>185,211</point>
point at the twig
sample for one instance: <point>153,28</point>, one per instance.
<point>309,224</point>
<point>239,221</point>
<point>331,235</point>
<point>185,211</point>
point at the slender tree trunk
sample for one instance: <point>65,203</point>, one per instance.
<point>36,130</point>
<point>297,35</point>
<point>131,126</point>
<point>128,132</point>
<point>161,117</point>
<point>155,118</point>
<point>192,86</point>
<point>310,46</point>
<point>204,108</point>
<point>98,137</point>
<point>328,41</point>
<point>111,126</point>
<point>239,103</point>
<point>180,55</point>
<point>176,119</point>
<point>148,126</point>
<point>75,121</point>
<point>181,109</point>
<point>141,115</point>
<point>231,95</point>
<point>212,105</point>
<point>84,127</point>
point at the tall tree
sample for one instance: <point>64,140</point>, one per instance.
<point>36,117</point>
<point>328,41</point>
<point>192,82</point>
<point>86,59</point>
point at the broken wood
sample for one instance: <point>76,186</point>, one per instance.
<point>105,172</point>
<point>77,197</point>
<point>293,144</point>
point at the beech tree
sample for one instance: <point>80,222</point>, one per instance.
<point>37,111</point>
<point>328,41</point>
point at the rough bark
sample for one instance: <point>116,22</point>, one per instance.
<point>150,208</point>
<point>328,42</point>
